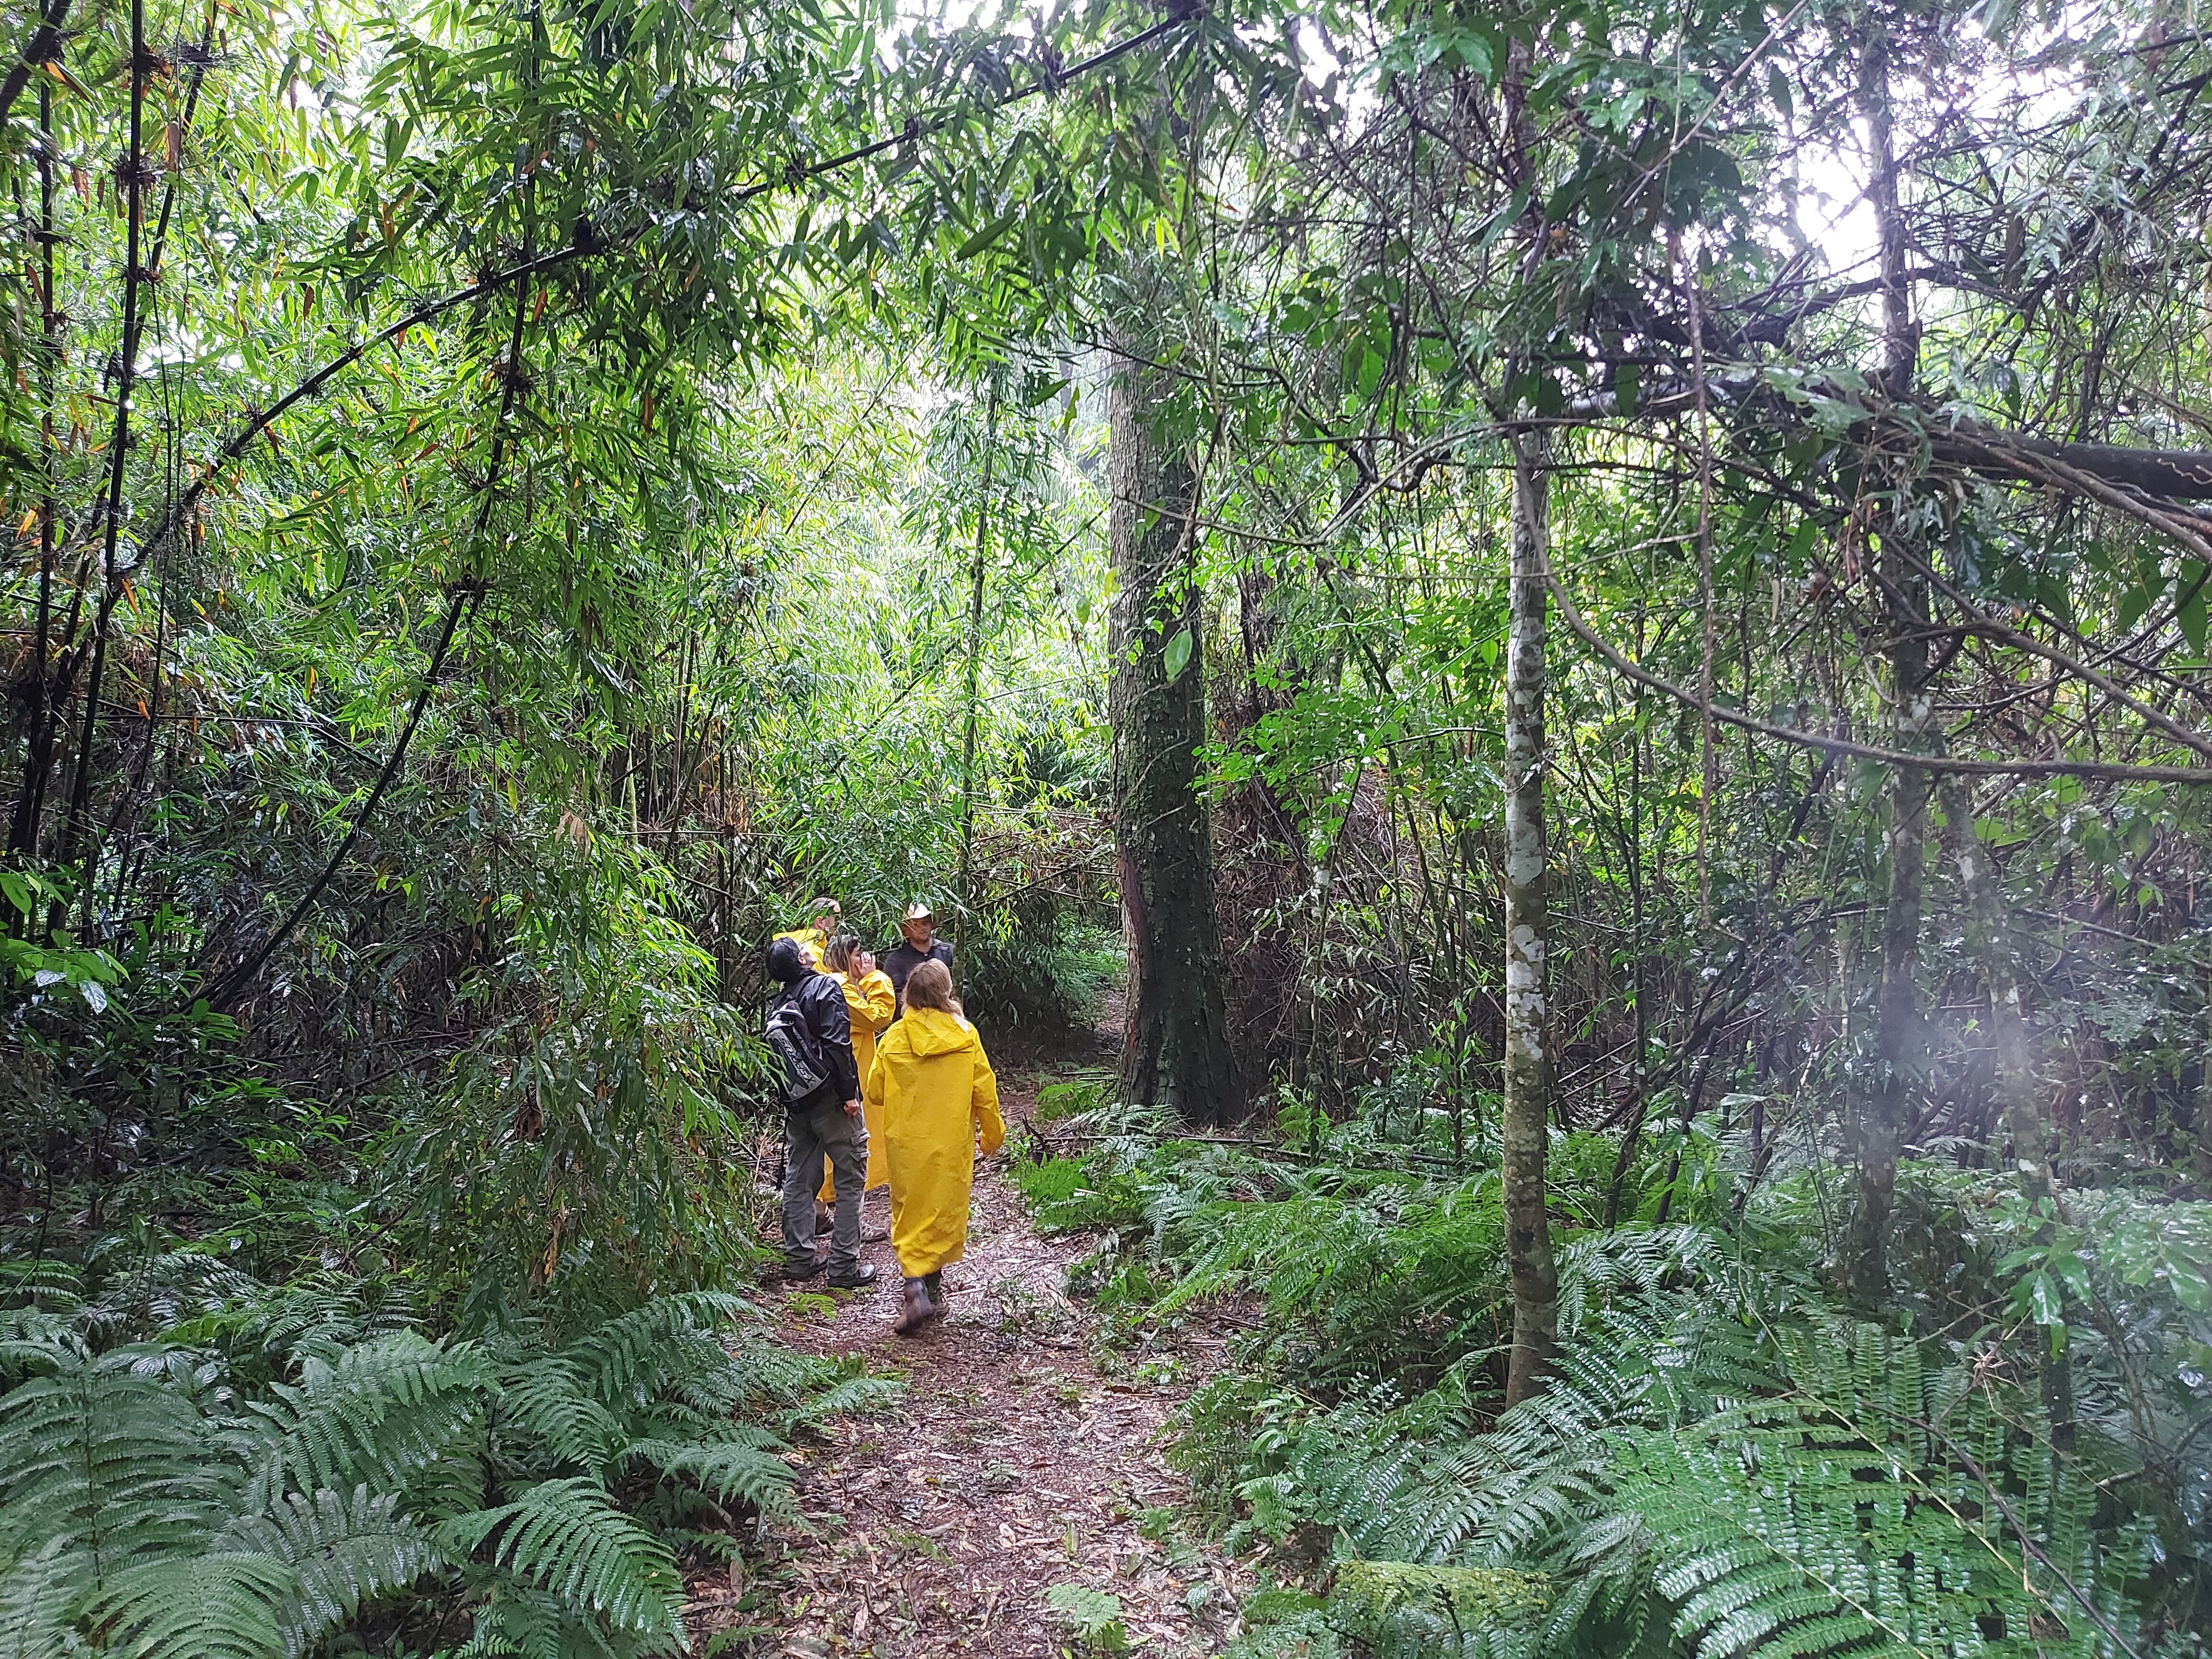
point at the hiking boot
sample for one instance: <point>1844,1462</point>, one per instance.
<point>936,1282</point>
<point>916,1308</point>
<point>863,1274</point>
<point>794,1271</point>
<point>824,1221</point>
<point>875,1232</point>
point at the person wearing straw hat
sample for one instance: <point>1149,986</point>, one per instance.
<point>918,944</point>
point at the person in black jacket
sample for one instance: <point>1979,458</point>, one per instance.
<point>918,944</point>
<point>811,1035</point>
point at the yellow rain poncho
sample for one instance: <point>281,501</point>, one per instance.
<point>812,942</point>
<point>871,1003</point>
<point>936,1092</point>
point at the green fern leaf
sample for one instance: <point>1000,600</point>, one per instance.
<point>112,1466</point>
<point>567,1536</point>
<point>841,1398</point>
<point>631,1357</point>
<point>40,1591</point>
<point>548,1399</point>
<point>214,1606</point>
<point>342,1552</point>
<point>726,1469</point>
<point>383,1410</point>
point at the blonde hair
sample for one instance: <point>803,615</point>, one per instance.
<point>837,955</point>
<point>930,986</point>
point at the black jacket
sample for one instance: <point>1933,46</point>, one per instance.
<point>902,959</point>
<point>820,1002</point>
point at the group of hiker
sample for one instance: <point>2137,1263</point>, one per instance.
<point>885,1084</point>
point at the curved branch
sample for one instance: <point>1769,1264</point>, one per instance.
<point>1982,622</point>
<point>588,244</point>
<point>2188,776</point>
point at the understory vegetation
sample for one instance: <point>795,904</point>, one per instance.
<point>1729,1460</point>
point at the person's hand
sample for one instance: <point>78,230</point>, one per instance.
<point>852,1108</point>
<point>864,963</point>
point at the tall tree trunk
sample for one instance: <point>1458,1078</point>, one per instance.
<point>1177,1052</point>
<point>1899,1035</point>
<point>1524,1122</point>
<point>1525,1129</point>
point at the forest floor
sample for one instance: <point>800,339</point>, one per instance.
<point>1022,1456</point>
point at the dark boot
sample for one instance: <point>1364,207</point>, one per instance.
<point>823,1220</point>
<point>916,1307</point>
<point>796,1269</point>
<point>861,1273</point>
<point>935,1282</point>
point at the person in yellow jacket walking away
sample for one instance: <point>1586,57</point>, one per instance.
<point>870,1001</point>
<point>934,1086</point>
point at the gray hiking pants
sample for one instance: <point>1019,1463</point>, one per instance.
<point>816,1127</point>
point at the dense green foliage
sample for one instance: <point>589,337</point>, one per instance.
<point>1725,1464</point>
<point>510,500</point>
<point>484,553</point>
<point>192,1462</point>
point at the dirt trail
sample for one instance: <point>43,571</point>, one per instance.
<point>1009,1466</point>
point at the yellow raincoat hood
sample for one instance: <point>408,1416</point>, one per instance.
<point>931,1032</point>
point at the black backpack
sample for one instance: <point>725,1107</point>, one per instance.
<point>791,1038</point>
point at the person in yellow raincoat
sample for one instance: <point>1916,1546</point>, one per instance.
<point>871,1002</point>
<point>935,1087</point>
<point>814,938</point>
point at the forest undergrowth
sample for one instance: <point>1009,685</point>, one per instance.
<point>1725,1462</point>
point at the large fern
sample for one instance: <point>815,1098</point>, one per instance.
<point>154,1501</point>
<point>567,1536</point>
<point>1695,1482</point>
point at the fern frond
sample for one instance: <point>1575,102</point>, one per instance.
<point>40,1591</point>
<point>548,1399</point>
<point>115,1464</point>
<point>383,1409</point>
<point>567,1536</point>
<point>341,1551</point>
<point>846,1395</point>
<point>519,1620</point>
<point>631,1357</point>
<point>212,1606</point>
<point>34,1344</point>
<point>726,1469</point>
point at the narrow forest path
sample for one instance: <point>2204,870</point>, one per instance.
<point>1012,1463</point>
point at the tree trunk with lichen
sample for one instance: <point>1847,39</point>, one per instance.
<point>1525,1126</point>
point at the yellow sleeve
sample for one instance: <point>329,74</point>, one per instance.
<point>871,1086</point>
<point>984,1103</point>
<point>879,1002</point>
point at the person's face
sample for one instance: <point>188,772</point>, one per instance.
<point>918,932</point>
<point>825,924</point>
